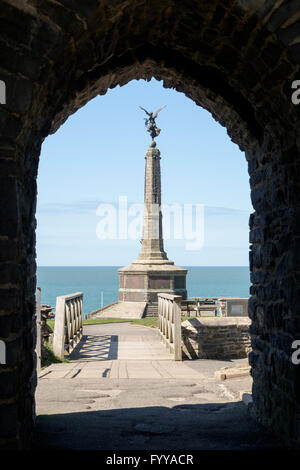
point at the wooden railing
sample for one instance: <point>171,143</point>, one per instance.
<point>169,323</point>
<point>68,323</point>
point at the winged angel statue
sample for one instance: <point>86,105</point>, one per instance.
<point>150,122</point>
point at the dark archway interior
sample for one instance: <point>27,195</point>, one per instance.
<point>235,58</point>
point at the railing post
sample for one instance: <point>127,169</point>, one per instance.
<point>72,318</point>
<point>59,328</point>
<point>68,323</point>
<point>169,323</point>
<point>38,329</point>
<point>81,315</point>
<point>177,330</point>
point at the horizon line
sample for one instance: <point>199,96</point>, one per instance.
<point>117,266</point>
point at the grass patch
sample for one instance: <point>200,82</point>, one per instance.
<point>96,321</point>
<point>152,322</point>
<point>48,356</point>
<point>101,321</point>
<point>51,324</point>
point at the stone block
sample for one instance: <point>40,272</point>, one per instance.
<point>8,420</point>
<point>8,384</point>
<point>216,338</point>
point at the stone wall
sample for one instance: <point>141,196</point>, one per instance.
<point>216,338</point>
<point>234,306</point>
<point>235,58</point>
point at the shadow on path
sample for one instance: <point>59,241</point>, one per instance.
<point>96,348</point>
<point>212,426</point>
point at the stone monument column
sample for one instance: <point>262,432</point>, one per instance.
<point>152,272</point>
<point>152,241</point>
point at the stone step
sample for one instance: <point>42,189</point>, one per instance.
<point>151,311</point>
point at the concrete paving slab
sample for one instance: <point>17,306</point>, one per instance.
<point>56,371</point>
<point>125,414</point>
<point>133,369</point>
<point>142,370</point>
<point>122,370</point>
<point>109,401</point>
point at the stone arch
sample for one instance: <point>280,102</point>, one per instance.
<point>235,58</point>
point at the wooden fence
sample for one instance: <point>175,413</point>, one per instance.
<point>169,323</point>
<point>68,323</point>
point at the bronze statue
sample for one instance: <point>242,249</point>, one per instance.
<point>150,122</point>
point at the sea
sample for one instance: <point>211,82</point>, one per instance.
<point>100,284</point>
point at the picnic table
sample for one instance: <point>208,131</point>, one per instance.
<point>199,304</point>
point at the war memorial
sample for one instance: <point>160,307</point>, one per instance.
<point>239,60</point>
<point>152,272</point>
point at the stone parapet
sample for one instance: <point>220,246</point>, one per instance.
<point>216,338</point>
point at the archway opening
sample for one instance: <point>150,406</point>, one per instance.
<point>238,61</point>
<point>98,156</point>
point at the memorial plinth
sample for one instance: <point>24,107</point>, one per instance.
<point>152,272</point>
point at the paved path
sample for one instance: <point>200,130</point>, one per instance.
<point>122,310</point>
<point>122,390</point>
<point>120,351</point>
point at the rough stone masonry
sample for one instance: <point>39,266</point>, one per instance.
<point>237,59</point>
<point>216,338</point>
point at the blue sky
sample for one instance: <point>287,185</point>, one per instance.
<point>98,156</point>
